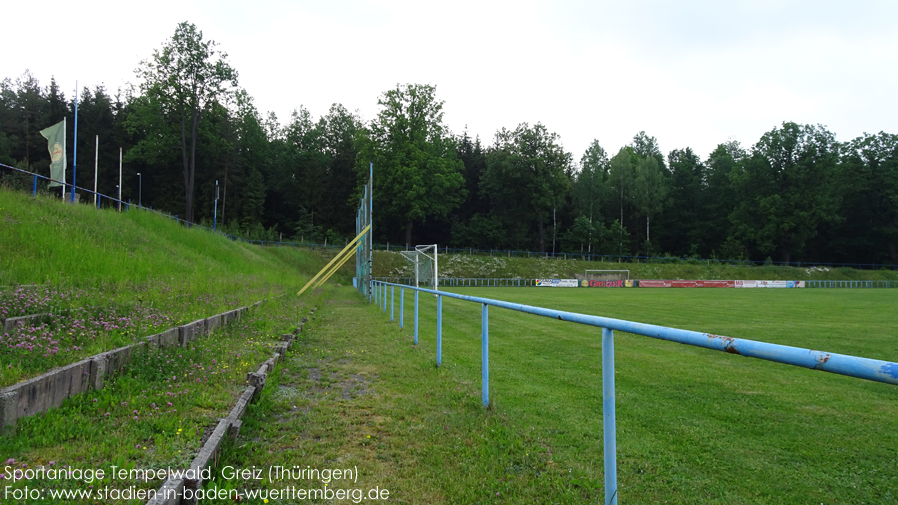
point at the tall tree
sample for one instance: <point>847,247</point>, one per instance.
<point>417,171</point>
<point>186,77</point>
<point>868,182</point>
<point>339,128</point>
<point>720,172</point>
<point>649,192</point>
<point>784,189</point>
<point>620,177</point>
<point>646,146</point>
<point>528,173</point>
<point>31,107</point>
<point>589,188</point>
<point>686,218</point>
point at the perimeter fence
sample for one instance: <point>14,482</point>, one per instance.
<point>659,260</point>
<point>384,294</point>
<point>520,282</point>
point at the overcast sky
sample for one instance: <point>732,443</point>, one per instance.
<point>690,73</point>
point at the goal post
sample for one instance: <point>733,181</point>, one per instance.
<point>425,265</point>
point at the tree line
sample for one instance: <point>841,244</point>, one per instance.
<point>796,195</point>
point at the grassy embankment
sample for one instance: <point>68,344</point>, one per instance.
<point>694,426</point>
<point>484,266</point>
<point>110,279</point>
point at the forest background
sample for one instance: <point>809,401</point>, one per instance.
<point>796,195</point>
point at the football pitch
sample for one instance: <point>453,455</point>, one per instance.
<point>693,425</point>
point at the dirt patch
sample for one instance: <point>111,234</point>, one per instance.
<point>355,386</point>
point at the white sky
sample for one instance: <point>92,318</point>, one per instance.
<point>690,73</point>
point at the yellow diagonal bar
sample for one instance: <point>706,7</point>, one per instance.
<point>336,258</point>
<point>334,270</point>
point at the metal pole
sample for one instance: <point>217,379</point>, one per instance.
<point>34,190</point>
<point>119,179</point>
<point>485,354</point>
<point>401,305</point>
<point>371,219</point>
<point>416,317</point>
<point>215,215</point>
<point>439,330</point>
<point>139,189</point>
<point>608,424</point>
<point>96,164</point>
<point>75,154</point>
<point>392,297</point>
<point>62,188</point>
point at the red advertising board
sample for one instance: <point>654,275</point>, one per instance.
<point>653,284</point>
<point>718,284</point>
<point>686,284</point>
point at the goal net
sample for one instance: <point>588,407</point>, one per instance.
<point>423,262</point>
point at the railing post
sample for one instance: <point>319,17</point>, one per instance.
<point>385,297</point>
<point>416,317</point>
<point>608,423</point>
<point>439,330</point>
<point>34,191</point>
<point>485,354</point>
<point>401,305</point>
<point>392,297</point>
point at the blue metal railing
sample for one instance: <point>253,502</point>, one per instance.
<point>852,366</point>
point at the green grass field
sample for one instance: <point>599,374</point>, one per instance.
<point>694,426</point>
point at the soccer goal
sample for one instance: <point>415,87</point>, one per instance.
<point>423,261</point>
<point>607,275</point>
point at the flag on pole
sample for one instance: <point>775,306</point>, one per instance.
<point>55,136</point>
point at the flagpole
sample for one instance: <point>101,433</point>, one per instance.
<point>96,159</point>
<point>62,189</point>
<point>75,155</point>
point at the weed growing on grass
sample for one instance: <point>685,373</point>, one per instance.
<point>61,338</point>
<point>157,412</point>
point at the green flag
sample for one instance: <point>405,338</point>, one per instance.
<point>55,136</point>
